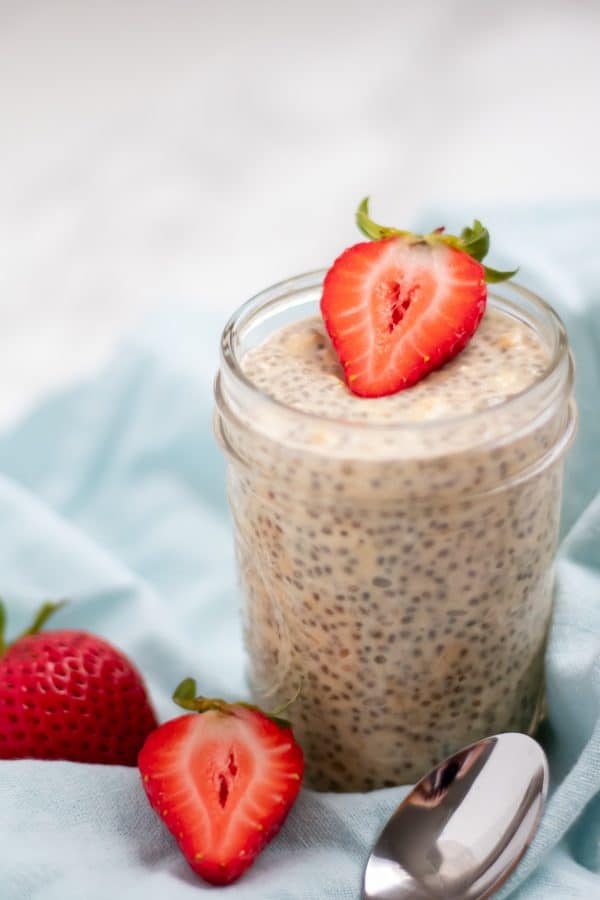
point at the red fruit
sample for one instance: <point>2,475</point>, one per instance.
<point>71,695</point>
<point>222,781</point>
<point>396,310</point>
<point>403,305</point>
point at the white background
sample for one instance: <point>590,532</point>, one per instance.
<point>159,151</point>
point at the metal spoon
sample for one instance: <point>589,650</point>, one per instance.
<point>464,827</point>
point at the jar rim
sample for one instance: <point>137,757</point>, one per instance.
<point>267,300</point>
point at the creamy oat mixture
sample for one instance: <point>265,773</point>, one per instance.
<point>409,590</point>
<point>298,366</point>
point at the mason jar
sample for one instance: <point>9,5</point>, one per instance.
<point>399,576</point>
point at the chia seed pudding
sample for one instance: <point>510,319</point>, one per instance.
<point>395,554</point>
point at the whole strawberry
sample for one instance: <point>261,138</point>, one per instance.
<point>70,695</point>
<point>222,779</point>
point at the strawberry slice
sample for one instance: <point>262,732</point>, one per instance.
<point>403,305</point>
<point>222,781</point>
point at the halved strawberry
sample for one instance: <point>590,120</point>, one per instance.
<point>222,781</point>
<point>403,305</point>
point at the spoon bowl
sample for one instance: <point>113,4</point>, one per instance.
<point>464,827</point>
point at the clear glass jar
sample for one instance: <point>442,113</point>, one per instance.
<point>402,574</point>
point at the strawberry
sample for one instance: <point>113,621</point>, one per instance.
<point>70,695</point>
<point>222,781</point>
<point>399,307</point>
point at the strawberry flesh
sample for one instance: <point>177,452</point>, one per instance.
<point>223,783</point>
<point>395,309</point>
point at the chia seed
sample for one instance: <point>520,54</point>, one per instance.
<point>378,554</point>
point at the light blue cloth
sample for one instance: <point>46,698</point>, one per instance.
<point>112,494</point>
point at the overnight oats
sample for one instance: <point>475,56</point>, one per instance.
<point>395,552</point>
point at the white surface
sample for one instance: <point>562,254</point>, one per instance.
<point>153,151</point>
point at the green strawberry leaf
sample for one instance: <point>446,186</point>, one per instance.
<point>41,617</point>
<point>185,693</point>
<point>45,611</point>
<point>185,696</point>
<point>370,228</point>
<point>493,276</point>
<point>476,240</point>
<point>283,723</point>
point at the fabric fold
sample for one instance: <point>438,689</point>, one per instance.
<point>112,493</point>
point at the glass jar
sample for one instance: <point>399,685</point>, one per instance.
<point>400,575</point>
